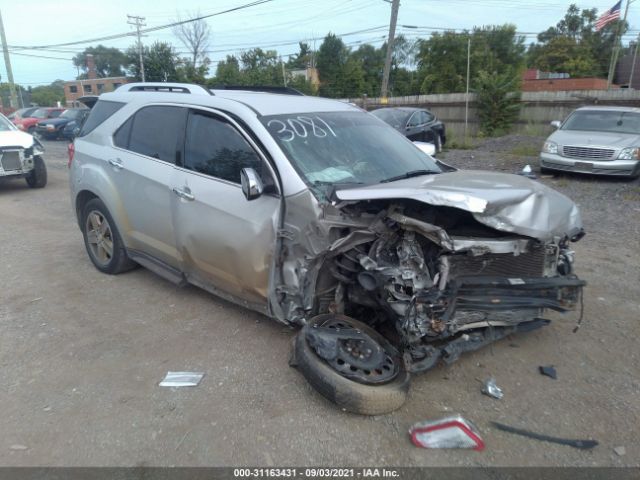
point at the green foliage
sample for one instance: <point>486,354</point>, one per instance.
<point>110,62</point>
<point>254,67</point>
<point>49,95</point>
<point>442,59</point>
<point>160,62</point>
<point>332,60</point>
<point>187,72</point>
<point>574,47</point>
<point>302,59</point>
<point>497,101</point>
<point>227,72</point>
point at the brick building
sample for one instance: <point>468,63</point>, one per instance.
<point>537,81</point>
<point>93,85</point>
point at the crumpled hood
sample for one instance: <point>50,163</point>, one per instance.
<point>510,203</point>
<point>602,139</point>
<point>15,138</point>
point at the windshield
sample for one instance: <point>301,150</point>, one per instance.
<point>346,148</point>
<point>615,121</point>
<point>70,114</point>
<point>39,113</point>
<point>391,116</point>
<point>6,124</point>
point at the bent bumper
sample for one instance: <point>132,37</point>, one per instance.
<point>625,168</point>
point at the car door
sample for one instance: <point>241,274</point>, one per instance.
<point>413,130</point>
<point>141,168</point>
<point>226,241</point>
<point>428,119</point>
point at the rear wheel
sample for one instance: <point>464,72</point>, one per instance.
<point>37,177</point>
<point>345,379</point>
<point>102,239</point>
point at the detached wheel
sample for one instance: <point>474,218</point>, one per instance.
<point>349,379</point>
<point>37,177</point>
<point>102,239</point>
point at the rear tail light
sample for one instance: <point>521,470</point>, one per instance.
<point>71,150</point>
<point>450,432</point>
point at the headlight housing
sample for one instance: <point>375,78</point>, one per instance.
<point>630,153</point>
<point>37,148</point>
<point>550,147</point>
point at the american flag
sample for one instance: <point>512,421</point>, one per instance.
<point>609,16</point>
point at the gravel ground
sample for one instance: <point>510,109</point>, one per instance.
<point>81,355</point>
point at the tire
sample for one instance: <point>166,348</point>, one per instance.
<point>438,143</point>
<point>113,260</point>
<point>350,395</point>
<point>37,177</point>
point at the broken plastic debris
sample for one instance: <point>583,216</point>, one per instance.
<point>548,371</point>
<point>449,432</point>
<point>490,388</point>
<point>182,379</point>
<point>575,443</point>
<point>527,172</point>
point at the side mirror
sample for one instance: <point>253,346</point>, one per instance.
<point>252,185</point>
<point>75,132</point>
<point>556,124</point>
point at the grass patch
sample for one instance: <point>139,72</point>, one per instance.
<point>525,150</point>
<point>461,144</point>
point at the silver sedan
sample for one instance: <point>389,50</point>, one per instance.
<point>595,140</point>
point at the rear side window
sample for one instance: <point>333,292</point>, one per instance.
<point>155,131</point>
<point>99,113</point>
<point>121,137</point>
<point>216,148</point>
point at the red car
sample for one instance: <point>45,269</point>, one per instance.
<point>29,124</point>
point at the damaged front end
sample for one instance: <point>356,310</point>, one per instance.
<point>436,278</point>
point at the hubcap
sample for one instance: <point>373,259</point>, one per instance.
<point>99,237</point>
<point>352,357</point>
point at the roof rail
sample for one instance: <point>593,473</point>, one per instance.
<point>164,87</point>
<point>260,88</point>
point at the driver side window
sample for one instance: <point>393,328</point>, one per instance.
<point>215,148</point>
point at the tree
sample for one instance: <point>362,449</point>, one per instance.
<point>261,67</point>
<point>160,62</point>
<point>109,62</point>
<point>497,101</point>
<point>302,59</point>
<point>332,59</point>
<point>228,72</point>
<point>49,95</point>
<point>188,73</point>
<point>574,47</point>
<point>442,59</point>
<point>194,35</point>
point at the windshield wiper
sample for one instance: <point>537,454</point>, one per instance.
<point>410,174</point>
<point>319,183</point>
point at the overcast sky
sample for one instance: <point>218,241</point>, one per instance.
<point>47,22</point>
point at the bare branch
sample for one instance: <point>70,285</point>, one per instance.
<point>194,36</point>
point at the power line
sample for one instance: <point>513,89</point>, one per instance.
<point>146,30</point>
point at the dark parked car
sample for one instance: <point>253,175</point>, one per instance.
<point>53,128</point>
<point>416,124</point>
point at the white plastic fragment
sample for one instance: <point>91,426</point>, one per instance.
<point>181,379</point>
<point>490,388</point>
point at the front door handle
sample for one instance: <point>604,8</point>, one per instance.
<point>186,195</point>
<point>116,162</point>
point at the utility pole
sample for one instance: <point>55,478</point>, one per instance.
<point>633,65</point>
<point>466,97</point>
<point>395,6</point>
<point>7,62</point>
<point>284,73</point>
<point>138,22</point>
<point>616,46</point>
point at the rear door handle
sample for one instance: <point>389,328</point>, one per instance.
<point>116,162</point>
<point>184,194</point>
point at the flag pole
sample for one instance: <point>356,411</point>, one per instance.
<point>616,46</point>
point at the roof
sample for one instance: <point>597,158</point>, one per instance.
<point>260,102</point>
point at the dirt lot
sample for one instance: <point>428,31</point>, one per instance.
<point>81,355</point>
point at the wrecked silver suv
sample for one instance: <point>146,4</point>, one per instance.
<point>318,214</point>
